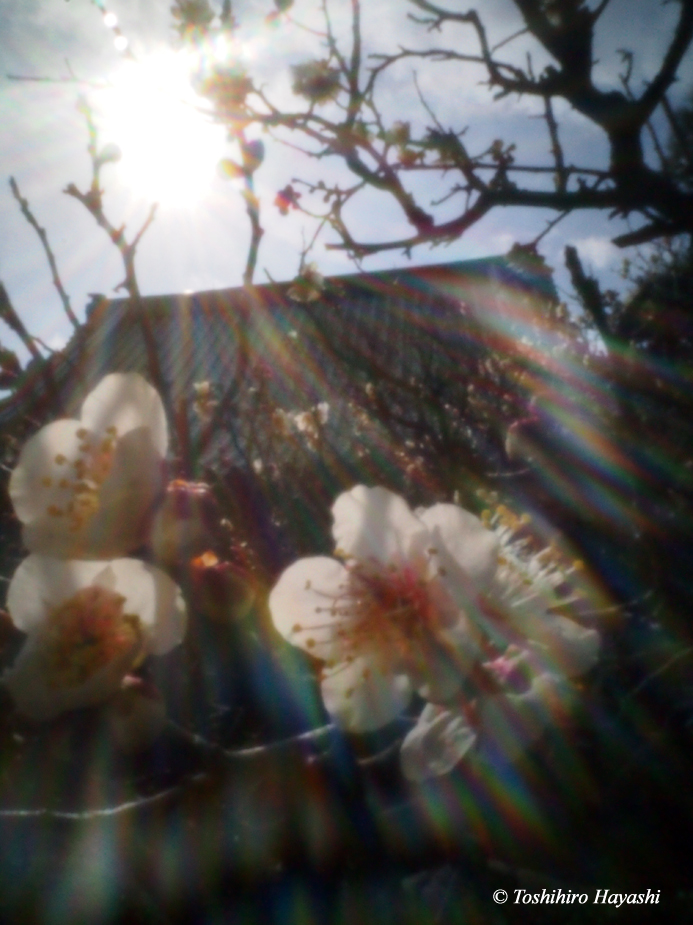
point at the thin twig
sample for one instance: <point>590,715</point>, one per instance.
<point>92,200</point>
<point>549,226</point>
<point>12,320</point>
<point>659,672</point>
<point>556,149</point>
<point>41,232</point>
<point>225,759</point>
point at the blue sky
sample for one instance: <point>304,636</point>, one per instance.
<point>200,235</point>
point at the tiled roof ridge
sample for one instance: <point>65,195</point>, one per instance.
<point>381,283</point>
<point>501,262</point>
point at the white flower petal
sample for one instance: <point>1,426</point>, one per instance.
<point>441,660</point>
<point>565,647</point>
<point>127,496</point>
<point>82,491</point>
<point>304,601</point>
<point>440,739</point>
<point>461,642</point>
<point>361,698</point>
<point>373,523</point>
<point>43,461</point>
<point>40,583</point>
<point>157,601</point>
<point>467,541</point>
<point>443,676</point>
<point>126,401</point>
<point>124,505</point>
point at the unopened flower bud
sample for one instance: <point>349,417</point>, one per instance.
<point>183,524</point>
<point>221,589</point>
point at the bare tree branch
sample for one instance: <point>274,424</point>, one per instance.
<point>386,157</point>
<point>652,97</point>
<point>41,232</point>
<point>13,321</point>
<point>92,200</point>
<point>588,291</point>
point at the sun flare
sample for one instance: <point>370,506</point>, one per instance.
<point>170,148</point>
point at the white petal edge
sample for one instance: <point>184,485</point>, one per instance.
<point>126,401</point>
<point>157,601</point>
<point>302,602</point>
<point>563,645</point>
<point>464,537</point>
<point>360,698</point>
<point>568,648</point>
<point>376,524</point>
<point>40,583</point>
<point>439,741</point>
<point>36,462</point>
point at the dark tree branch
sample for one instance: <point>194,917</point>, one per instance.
<point>678,132</point>
<point>556,149</point>
<point>384,156</point>
<point>15,323</point>
<point>588,291</point>
<point>652,97</point>
<point>650,232</point>
<point>597,12</point>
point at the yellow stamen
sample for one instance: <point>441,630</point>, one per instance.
<point>85,633</point>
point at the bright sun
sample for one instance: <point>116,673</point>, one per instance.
<point>170,149</point>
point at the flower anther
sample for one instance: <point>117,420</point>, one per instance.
<point>86,633</point>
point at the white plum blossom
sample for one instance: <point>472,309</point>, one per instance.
<point>88,624</point>
<point>390,618</point>
<point>308,286</point>
<point>523,686</point>
<point>86,488</point>
<point>439,602</point>
<point>204,402</point>
<point>504,718</point>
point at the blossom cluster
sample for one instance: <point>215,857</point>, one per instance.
<point>85,492</point>
<point>458,611</point>
<point>308,423</point>
<point>439,603</point>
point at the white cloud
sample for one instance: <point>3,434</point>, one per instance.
<point>598,251</point>
<point>57,341</point>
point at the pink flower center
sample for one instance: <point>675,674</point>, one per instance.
<point>394,615</point>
